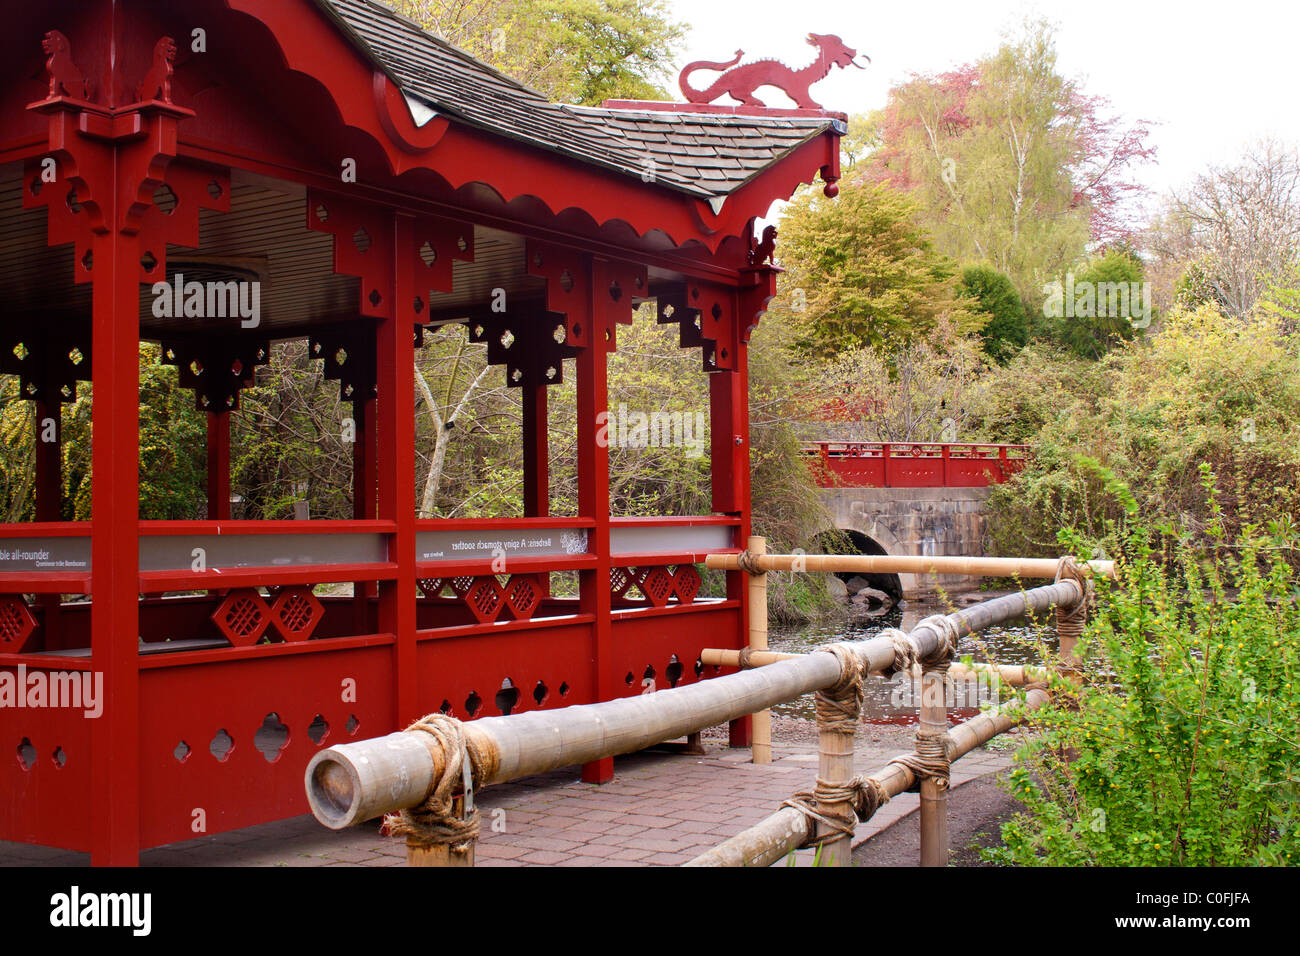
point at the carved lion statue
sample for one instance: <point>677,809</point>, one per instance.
<point>157,82</point>
<point>65,78</point>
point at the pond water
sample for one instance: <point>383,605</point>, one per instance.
<point>893,701</point>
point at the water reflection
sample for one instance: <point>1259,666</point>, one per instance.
<point>892,702</point>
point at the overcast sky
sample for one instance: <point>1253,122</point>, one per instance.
<point>1214,76</point>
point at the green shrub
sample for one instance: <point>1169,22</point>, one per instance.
<point>995,294</point>
<point>1205,389</point>
<point>1180,749</point>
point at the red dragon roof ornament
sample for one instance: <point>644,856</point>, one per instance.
<point>740,82</point>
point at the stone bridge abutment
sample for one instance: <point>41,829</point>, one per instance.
<point>916,521</point>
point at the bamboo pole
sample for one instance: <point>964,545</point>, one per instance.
<point>1014,675</point>
<point>907,564</point>
<point>358,781</point>
<point>835,767</point>
<point>774,837</point>
<point>933,722</point>
<point>761,742</point>
<point>722,657</point>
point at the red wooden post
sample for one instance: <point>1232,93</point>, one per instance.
<point>218,466</point>
<point>593,499</point>
<point>729,434</point>
<point>49,502</point>
<point>395,365</point>
<point>114,800</point>
<point>536,452</point>
<point>364,479</point>
<point>537,490</point>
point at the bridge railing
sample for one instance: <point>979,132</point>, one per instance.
<point>860,464</point>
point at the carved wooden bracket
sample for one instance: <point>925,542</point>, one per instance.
<point>349,357</point>
<point>363,246</point>
<point>49,360</point>
<point>706,316</point>
<point>216,368</point>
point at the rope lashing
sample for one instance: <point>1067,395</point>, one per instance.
<point>930,759</point>
<point>904,652</point>
<point>949,635</point>
<point>862,795</point>
<point>840,705</point>
<point>839,824</point>
<point>1068,569</point>
<point>747,561</point>
<point>435,822</point>
<point>746,658</point>
<point>838,708</point>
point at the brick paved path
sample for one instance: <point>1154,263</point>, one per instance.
<point>660,809</point>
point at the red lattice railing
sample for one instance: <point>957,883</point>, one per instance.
<point>913,464</point>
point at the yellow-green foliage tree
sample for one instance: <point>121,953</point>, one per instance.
<point>1010,162</point>
<point>573,51</point>
<point>1207,389</point>
<point>861,273</point>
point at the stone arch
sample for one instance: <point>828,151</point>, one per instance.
<point>862,543</point>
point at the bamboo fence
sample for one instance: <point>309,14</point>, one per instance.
<point>418,770</point>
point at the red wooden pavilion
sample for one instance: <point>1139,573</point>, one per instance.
<point>369,181</point>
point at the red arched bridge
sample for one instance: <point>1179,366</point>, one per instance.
<point>864,464</point>
<point>919,498</point>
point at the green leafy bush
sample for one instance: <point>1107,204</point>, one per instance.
<point>1007,331</point>
<point>1207,388</point>
<point>1180,747</point>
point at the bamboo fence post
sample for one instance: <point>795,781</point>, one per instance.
<point>835,770</point>
<point>934,790</point>
<point>443,855</point>
<point>771,839</point>
<point>761,744</point>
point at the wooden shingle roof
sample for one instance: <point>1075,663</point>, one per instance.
<point>701,154</point>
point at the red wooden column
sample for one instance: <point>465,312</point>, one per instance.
<point>114,800</point>
<point>395,464</point>
<point>218,466</point>
<point>729,433</point>
<point>364,479</point>
<point>49,502</point>
<point>536,451</point>
<point>593,499</point>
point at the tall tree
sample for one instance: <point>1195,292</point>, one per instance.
<point>573,51</point>
<point>1235,230</point>
<point>861,272</point>
<point>1009,161</point>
